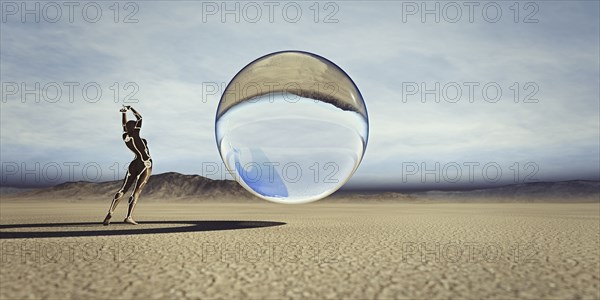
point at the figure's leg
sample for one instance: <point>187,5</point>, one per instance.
<point>139,185</point>
<point>127,182</point>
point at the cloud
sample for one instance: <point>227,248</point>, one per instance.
<point>170,53</point>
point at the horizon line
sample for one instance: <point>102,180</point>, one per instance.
<point>411,187</point>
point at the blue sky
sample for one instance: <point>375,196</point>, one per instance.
<point>177,49</point>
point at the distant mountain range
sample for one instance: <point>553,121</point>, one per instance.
<point>562,191</point>
<point>161,186</point>
<point>175,186</point>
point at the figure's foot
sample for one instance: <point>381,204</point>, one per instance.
<point>130,220</point>
<point>107,220</point>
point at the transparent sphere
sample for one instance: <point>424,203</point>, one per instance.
<point>291,127</point>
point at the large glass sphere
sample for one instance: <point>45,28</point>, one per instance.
<point>291,127</point>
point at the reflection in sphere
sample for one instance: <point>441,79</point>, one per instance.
<point>292,127</point>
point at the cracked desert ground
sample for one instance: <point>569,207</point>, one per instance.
<point>319,250</point>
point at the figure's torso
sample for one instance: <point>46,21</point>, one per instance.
<point>137,145</point>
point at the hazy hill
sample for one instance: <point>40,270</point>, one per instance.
<point>175,186</point>
<point>562,191</point>
<point>163,186</point>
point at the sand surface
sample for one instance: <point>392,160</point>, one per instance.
<point>320,250</point>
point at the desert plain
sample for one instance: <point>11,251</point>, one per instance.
<point>259,250</point>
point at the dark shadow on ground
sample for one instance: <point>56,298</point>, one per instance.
<point>120,228</point>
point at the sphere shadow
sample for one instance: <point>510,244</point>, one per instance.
<point>190,226</point>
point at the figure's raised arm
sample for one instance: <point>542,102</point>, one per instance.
<point>135,113</point>
<point>138,123</point>
<point>124,118</point>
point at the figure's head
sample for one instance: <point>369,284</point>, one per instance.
<point>130,126</point>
